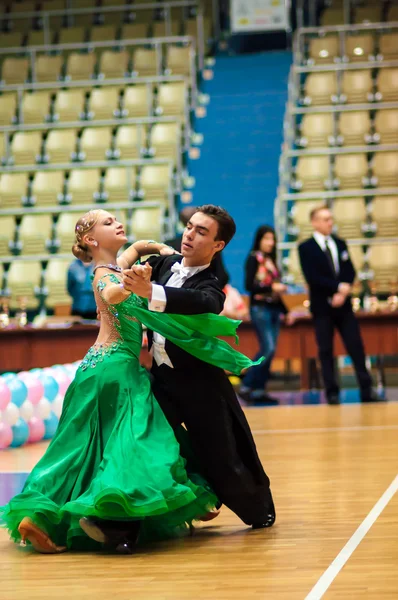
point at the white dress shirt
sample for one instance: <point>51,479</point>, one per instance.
<point>321,241</point>
<point>180,273</point>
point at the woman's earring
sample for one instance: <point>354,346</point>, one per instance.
<point>95,243</point>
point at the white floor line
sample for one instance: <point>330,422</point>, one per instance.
<point>334,569</point>
<point>326,429</point>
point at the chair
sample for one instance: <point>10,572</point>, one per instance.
<point>386,126</point>
<point>26,147</point>
<point>172,99</point>
<point>23,24</point>
<point>114,17</point>
<point>368,14</point>
<point>55,22</point>
<point>349,215</point>
<point>134,31</point>
<point>179,61</point>
<point>48,68</point>
<point>147,223</point>
<point>47,188</point>
<point>37,38</point>
<point>301,216</point>
<point>146,63</point>
<point>324,50</point>
<point>393,12</point>
<point>312,172</point>
<point>15,70</point>
<point>320,88</point>
<point>65,231</point>
<point>35,233</point>
<point>83,184</point>
<point>8,106</point>
<point>13,189</point>
<point>55,281</point>
<point>95,143</point>
<point>294,267</point>
<point>385,215</point>
<point>60,145</point>
<point>23,281</point>
<point>143,15</point>
<point>165,141</point>
<point>137,101</point>
<point>387,85</point>
<point>385,168</point>
<point>191,29</point>
<point>357,257</point>
<point>129,141</point>
<point>317,130</point>
<point>354,128</point>
<point>104,103</point>
<point>86,19</point>
<point>35,107</point>
<point>72,35</point>
<point>13,39</point>
<point>388,46</point>
<point>332,16</point>
<point>69,105</point>
<point>7,235</point>
<point>103,33</point>
<point>360,47</point>
<point>155,183</point>
<point>80,66</point>
<point>383,261</point>
<point>351,170</point>
<point>357,86</point>
<point>119,183</point>
<point>114,65</point>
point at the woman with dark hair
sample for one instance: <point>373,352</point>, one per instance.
<point>262,280</point>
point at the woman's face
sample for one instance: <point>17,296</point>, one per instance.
<point>267,242</point>
<point>108,232</point>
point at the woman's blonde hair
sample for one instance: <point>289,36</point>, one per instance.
<point>83,226</point>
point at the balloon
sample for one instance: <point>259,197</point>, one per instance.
<point>23,374</point>
<point>50,386</point>
<point>36,430</point>
<point>42,410</point>
<point>11,414</point>
<point>9,375</point>
<point>63,381</point>
<point>50,425</point>
<point>27,410</point>
<point>5,394</point>
<point>57,405</point>
<point>5,435</point>
<point>20,433</point>
<point>35,388</point>
<point>18,391</point>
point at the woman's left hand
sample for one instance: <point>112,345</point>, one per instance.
<point>290,319</point>
<point>167,251</point>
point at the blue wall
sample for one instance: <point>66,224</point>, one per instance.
<point>243,133</point>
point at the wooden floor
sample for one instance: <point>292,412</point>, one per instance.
<point>328,467</point>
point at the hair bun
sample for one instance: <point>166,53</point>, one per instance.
<point>81,253</point>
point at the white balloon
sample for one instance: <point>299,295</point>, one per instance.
<point>26,410</point>
<point>11,414</point>
<point>43,409</point>
<point>56,406</point>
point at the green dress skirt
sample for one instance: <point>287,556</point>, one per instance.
<point>114,455</point>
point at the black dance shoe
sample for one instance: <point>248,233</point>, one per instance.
<point>269,520</point>
<point>371,396</point>
<point>125,547</point>
<point>123,541</point>
<point>333,399</point>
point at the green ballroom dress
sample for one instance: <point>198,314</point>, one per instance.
<point>114,455</point>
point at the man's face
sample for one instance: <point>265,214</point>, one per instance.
<point>198,241</point>
<point>323,222</point>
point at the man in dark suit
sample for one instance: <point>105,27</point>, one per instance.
<point>196,393</point>
<point>329,273</point>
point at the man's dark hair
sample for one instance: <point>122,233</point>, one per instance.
<point>226,224</point>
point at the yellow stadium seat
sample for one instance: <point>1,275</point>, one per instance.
<point>129,141</point>
<point>387,85</point>
<point>383,261</point>
<point>146,223</point>
<point>165,141</point>
<point>119,184</point>
<point>368,14</point>
<point>357,257</point>
<point>294,267</point>
<point>13,189</point>
<point>8,105</point>
<point>332,16</point>
<point>47,188</point>
<point>312,172</point>
<point>95,143</point>
<point>3,147</point>
<point>35,234</point>
<point>349,215</point>
<point>65,231</point>
<point>386,126</point>
<point>104,103</point>
<point>317,130</point>
<point>26,147</point>
<point>35,107</point>
<point>83,184</point>
<point>143,15</point>
<point>137,101</point>
<point>134,31</point>
<point>115,17</point>
<point>103,33</point>
<point>388,46</point>
<point>320,88</point>
<point>72,35</point>
<point>385,215</point>
<point>48,68</point>
<point>155,183</point>
<point>85,19</point>
<point>24,281</point>
<point>359,47</point>
<point>191,29</point>
<point>61,145</point>
<point>23,24</point>
<point>393,12</point>
<point>385,168</point>
<point>324,50</point>
<point>80,66</point>
<point>301,216</point>
<point>15,70</point>
<point>114,65</point>
<point>351,170</point>
<point>172,99</point>
<point>55,22</point>
<point>179,60</point>
<point>11,39</point>
<point>354,128</point>
<point>146,62</point>
<point>55,281</point>
<point>69,105</point>
<point>7,235</point>
<point>357,86</point>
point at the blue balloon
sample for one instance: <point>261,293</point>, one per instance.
<point>51,425</point>
<point>37,370</point>
<point>18,390</point>
<point>8,376</point>
<point>20,433</point>
<point>50,385</point>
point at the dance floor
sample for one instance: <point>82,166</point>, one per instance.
<point>334,474</point>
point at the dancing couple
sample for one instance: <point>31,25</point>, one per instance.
<point>121,468</point>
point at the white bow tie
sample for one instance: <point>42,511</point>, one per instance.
<point>183,271</point>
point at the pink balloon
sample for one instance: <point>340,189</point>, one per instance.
<point>35,389</point>
<point>63,381</point>
<point>5,394</point>
<point>5,435</point>
<point>37,430</point>
<point>23,374</point>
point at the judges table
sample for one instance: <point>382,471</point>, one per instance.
<point>24,349</point>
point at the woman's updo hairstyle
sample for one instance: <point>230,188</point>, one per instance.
<point>83,226</point>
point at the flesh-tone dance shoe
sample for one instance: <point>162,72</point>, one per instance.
<point>38,538</point>
<point>209,516</point>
